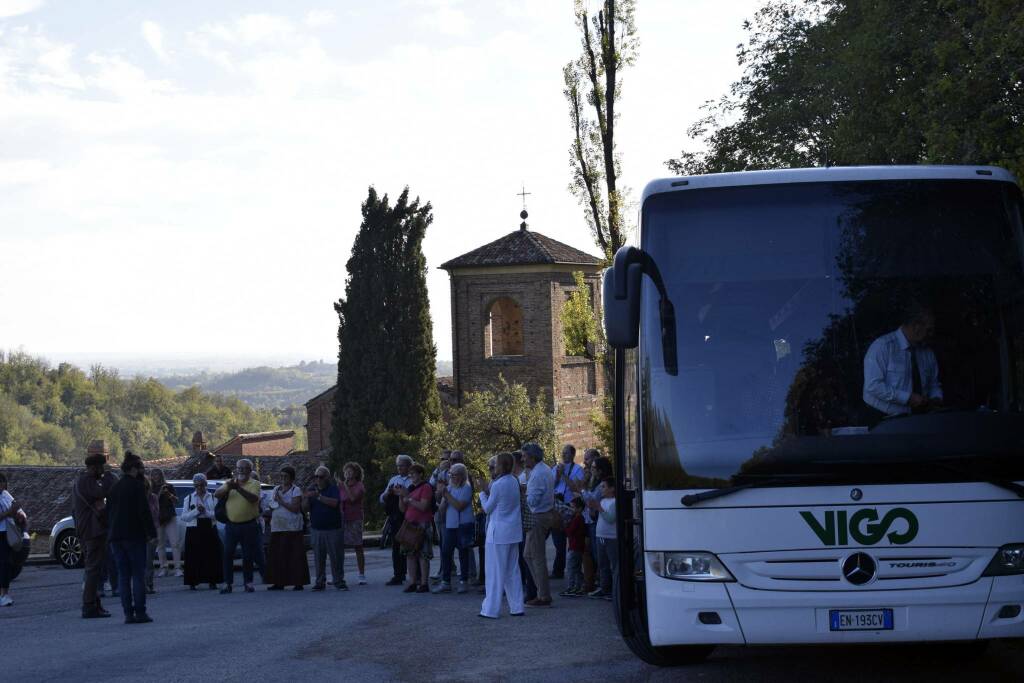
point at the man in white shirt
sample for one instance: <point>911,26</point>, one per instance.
<point>565,472</point>
<point>901,374</point>
<point>389,499</point>
<point>540,498</point>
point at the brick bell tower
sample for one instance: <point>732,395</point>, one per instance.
<point>507,299</point>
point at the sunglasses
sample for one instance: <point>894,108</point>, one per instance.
<point>321,476</point>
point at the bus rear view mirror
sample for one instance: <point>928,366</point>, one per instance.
<point>622,315</point>
<point>622,304</point>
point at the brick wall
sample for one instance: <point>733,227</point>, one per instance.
<point>318,423</point>
<point>574,386</point>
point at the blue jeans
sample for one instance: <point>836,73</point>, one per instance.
<point>574,569</point>
<point>131,557</point>
<point>559,540</point>
<point>608,561</point>
<point>449,543</point>
<point>248,534</point>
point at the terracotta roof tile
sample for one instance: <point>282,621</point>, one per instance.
<point>522,247</point>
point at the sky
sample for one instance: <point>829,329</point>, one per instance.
<point>185,178</point>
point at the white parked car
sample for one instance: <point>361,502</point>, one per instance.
<point>67,550</point>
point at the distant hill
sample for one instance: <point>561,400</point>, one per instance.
<point>266,387</point>
<point>263,387</point>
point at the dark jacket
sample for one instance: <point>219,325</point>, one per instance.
<point>128,514</point>
<point>87,491</point>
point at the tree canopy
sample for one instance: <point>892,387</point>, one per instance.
<point>49,415</point>
<point>498,419</point>
<point>593,83</point>
<point>386,358</point>
<point>829,82</point>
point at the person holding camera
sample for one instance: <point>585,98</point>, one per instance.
<point>242,503</point>
<point>389,499</point>
<point>167,529</point>
<point>202,543</point>
<point>352,494</point>
<point>89,508</point>
<point>131,527</point>
<point>566,472</point>
<point>501,501</point>
<point>287,565</point>
<point>459,527</point>
<point>9,510</point>
<point>416,504</point>
<point>323,501</point>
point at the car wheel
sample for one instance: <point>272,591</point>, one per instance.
<point>69,550</point>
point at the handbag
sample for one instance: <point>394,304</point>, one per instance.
<point>528,520</point>
<point>564,512</point>
<point>410,537</point>
<point>13,535</point>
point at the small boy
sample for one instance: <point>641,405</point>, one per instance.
<point>576,534</point>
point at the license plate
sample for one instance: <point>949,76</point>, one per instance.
<point>860,619</point>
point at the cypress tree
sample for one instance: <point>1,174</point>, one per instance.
<point>386,356</point>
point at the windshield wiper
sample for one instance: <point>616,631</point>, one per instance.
<point>692,499</point>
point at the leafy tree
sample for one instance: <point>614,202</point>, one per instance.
<point>592,86</point>
<point>386,356</point>
<point>502,418</point>
<point>871,82</point>
<point>49,416</point>
<point>579,324</point>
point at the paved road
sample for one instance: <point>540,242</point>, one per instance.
<point>377,633</point>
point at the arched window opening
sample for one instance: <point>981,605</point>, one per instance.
<point>503,333</point>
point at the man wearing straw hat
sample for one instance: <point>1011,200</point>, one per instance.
<point>89,509</point>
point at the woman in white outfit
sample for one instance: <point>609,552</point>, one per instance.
<point>500,501</point>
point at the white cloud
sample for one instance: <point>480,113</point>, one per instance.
<point>22,171</point>
<point>154,36</point>
<point>124,79</point>
<point>446,18</point>
<point>318,18</point>
<point>13,8</point>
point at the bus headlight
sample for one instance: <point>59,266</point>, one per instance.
<point>683,566</point>
<point>1008,560</point>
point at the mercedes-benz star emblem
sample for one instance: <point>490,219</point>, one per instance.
<point>856,494</point>
<point>859,568</point>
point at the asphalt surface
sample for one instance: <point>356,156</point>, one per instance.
<point>378,633</point>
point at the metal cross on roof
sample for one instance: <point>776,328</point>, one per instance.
<point>524,194</point>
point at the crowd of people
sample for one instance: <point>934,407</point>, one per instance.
<point>522,504</point>
<point>496,527</point>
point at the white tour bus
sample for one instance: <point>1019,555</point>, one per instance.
<point>818,410</point>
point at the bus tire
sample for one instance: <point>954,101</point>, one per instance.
<point>640,644</point>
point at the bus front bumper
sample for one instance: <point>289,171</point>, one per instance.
<point>679,613</point>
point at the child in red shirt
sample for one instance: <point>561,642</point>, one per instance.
<point>576,534</point>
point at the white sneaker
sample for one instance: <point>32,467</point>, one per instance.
<point>179,573</point>
<point>6,601</point>
<point>362,579</point>
<point>161,573</point>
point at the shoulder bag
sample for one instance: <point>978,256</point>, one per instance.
<point>410,537</point>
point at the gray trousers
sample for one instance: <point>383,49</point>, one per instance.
<point>328,542</point>
<point>95,559</point>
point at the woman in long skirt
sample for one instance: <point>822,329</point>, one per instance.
<point>287,565</point>
<point>203,550</point>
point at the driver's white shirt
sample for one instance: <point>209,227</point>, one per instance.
<point>887,379</point>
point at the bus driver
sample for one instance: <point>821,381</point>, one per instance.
<point>901,375</point>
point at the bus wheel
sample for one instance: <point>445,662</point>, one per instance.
<point>675,655</point>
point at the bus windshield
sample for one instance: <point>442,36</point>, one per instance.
<point>869,330</point>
